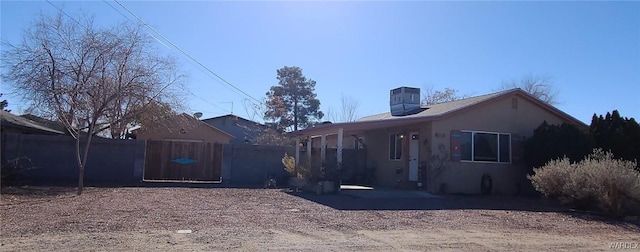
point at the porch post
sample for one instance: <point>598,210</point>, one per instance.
<point>297,152</point>
<point>323,148</point>
<point>309,140</point>
<point>339,154</point>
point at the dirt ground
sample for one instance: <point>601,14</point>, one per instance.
<point>148,219</point>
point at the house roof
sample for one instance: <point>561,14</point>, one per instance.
<point>437,109</point>
<point>431,113</point>
<point>51,124</point>
<point>233,116</point>
<point>12,120</point>
<point>184,117</point>
<point>206,124</point>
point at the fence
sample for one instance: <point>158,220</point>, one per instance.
<point>183,161</point>
<point>54,158</point>
<point>123,161</point>
<point>249,165</point>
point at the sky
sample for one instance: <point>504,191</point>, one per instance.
<point>363,49</point>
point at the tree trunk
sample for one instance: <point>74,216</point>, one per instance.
<point>82,159</point>
<point>80,179</point>
<point>80,166</point>
<point>295,114</point>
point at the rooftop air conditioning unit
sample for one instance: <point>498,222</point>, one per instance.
<point>404,101</point>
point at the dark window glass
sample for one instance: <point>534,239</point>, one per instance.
<point>392,146</point>
<point>398,147</point>
<point>485,147</point>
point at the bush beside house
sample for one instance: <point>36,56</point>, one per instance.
<point>608,179</point>
<point>598,182</point>
<point>551,142</point>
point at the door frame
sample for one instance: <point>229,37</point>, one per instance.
<point>414,155</point>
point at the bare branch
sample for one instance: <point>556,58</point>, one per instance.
<point>432,96</point>
<point>348,110</point>
<point>540,87</point>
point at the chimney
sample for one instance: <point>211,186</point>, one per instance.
<point>404,101</point>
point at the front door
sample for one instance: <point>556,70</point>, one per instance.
<point>414,158</point>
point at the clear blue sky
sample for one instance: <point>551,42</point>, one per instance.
<point>364,49</point>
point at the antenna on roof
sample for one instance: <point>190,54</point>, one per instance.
<point>197,115</point>
<point>231,106</point>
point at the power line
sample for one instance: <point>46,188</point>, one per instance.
<point>116,9</point>
<point>223,109</point>
<point>147,25</point>
<point>183,52</point>
<point>78,22</point>
<point>69,16</point>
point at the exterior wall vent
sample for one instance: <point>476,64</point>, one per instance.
<point>404,101</point>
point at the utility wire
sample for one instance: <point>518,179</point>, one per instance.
<point>116,9</point>
<point>223,109</point>
<point>70,17</point>
<point>183,52</point>
<point>193,94</point>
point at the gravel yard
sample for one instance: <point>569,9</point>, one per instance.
<point>148,219</point>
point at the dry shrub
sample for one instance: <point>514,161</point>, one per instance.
<point>299,175</point>
<point>14,169</point>
<point>289,163</point>
<point>597,182</point>
<point>300,172</point>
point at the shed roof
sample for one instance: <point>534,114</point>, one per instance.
<point>186,120</point>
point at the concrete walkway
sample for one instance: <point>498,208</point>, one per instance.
<point>382,193</point>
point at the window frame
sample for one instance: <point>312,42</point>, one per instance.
<point>397,138</point>
<point>498,150</point>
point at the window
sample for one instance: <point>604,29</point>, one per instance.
<point>485,147</point>
<point>395,146</point>
<point>358,143</point>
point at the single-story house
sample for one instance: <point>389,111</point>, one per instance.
<point>469,146</point>
<point>10,123</point>
<point>243,130</point>
<point>183,127</point>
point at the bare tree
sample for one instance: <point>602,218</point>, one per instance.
<point>540,87</point>
<point>348,110</point>
<point>90,79</point>
<point>432,96</point>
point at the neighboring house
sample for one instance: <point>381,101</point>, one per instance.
<point>471,145</point>
<point>11,123</point>
<point>183,127</point>
<point>245,131</point>
<point>56,125</point>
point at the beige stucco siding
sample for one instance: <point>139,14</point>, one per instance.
<point>498,116</point>
<point>377,144</point>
